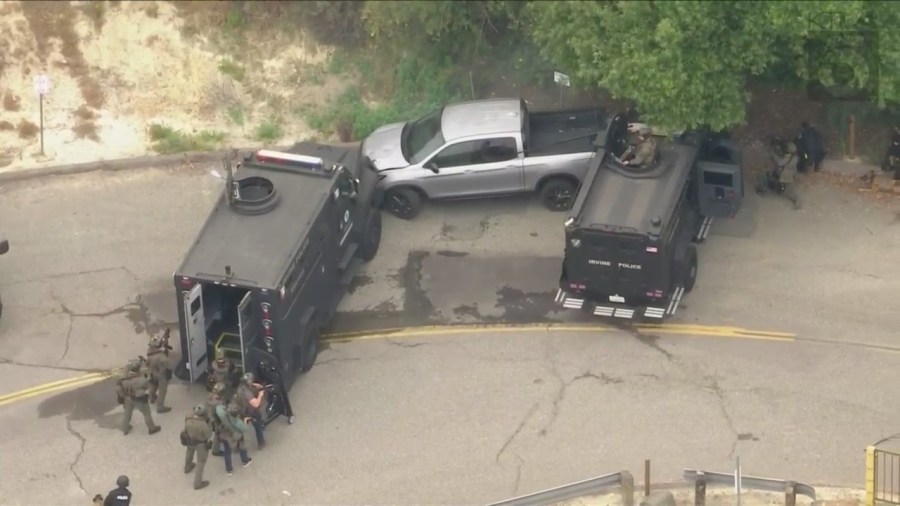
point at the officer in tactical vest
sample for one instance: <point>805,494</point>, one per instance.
<point>119,496</point>
<point>215,400</point>
<point>645,150</point>
<point>160,371</point>
<point>197,433</point>
<point>233,429</point>
<point>223,371</point>
<point>251,397</point>
<point>134,392</point>
<point>782,175</point>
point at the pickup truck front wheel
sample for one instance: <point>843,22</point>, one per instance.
<point>404,203</point>
<point>558,194</point>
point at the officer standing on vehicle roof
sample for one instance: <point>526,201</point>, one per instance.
<point>198,434</point>
<point>251,397</point>
<point>215,400</point>
<point>645,150</point>
<point>223,371</point>
<point>119,496</point>
<point>134,390</point>
<point>160,371</point>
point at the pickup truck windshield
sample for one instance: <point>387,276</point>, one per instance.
<point>421,137</point>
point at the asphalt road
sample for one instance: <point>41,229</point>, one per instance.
<point>463,417</point>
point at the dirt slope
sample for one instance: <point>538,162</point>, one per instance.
<point>117,67</point>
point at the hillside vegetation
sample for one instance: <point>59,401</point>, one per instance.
<point>173,76</point>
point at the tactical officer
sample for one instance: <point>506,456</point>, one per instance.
<point>223,371</point>
<point>233,429</point>
<point>269,374</point>
<point>160,373</point>
<point>810,148</point>
<point>119,496</point>
<point>251,397</point>
<point>645,150</point>
<point>212,402</point>
<point>134,391</point>
<point>782,175</point>
<point>198,433</point>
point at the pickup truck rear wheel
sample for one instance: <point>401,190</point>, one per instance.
<point>404,203</point>
<point>558,194</point>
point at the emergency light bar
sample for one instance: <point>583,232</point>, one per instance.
<point>290,159</point>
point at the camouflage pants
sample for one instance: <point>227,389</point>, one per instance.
<point>143,406</point>
<point>202,452</point>
<point>767,182</point>
<point>158,390</point>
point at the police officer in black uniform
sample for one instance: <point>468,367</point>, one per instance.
<point>120,496</point>
<point>269,373</point>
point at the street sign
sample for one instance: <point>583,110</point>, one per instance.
<point>560,78</point>
<point>42,84</point>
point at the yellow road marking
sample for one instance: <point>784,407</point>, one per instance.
<point>444,330</point>
<point>52,387</point>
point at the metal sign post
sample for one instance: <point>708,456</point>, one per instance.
<point>737,479</point>
<point>41,87</point>
<point>563,81</point>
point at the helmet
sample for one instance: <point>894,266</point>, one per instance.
<point>134,365</point>
<point>155,342</point>
<point>199,409</point>
<point>234,409</point>
<point>247,378</point>
<point>122,481</point>
<point>218,388</point>
<point>220,354</point>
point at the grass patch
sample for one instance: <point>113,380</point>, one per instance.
<point>167,140</point>
<point>268,131</point>
<point>231,69</point>
<point>27,129</point>
<point>418,87</point>
<point>236,114</point>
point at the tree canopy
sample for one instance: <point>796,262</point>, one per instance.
<point>683,64</point>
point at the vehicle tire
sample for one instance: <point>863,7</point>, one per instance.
<point>558,194</point>
<point>404,203</point>
<point>690,271</point>
<point>310,350</point>
<point>372,236</point>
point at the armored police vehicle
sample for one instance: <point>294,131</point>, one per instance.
<point>276,254</point>
<point>630,237</point>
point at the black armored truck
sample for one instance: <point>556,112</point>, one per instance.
<point>274,258</point>
<point>631,234</point>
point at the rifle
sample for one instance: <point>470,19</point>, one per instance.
<point>165,340</point>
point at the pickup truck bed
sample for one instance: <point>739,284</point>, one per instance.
<point>562,132</point>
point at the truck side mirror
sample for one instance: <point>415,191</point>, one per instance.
<point>4,246</point>
<point>432,167</point>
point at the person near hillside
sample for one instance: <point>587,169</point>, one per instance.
<point>810,148</point>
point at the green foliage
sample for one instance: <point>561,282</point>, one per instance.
<point>235,18</point>
<point>167,140</point>
<point>231,69</point>
<point>418,88</point>
<point>268,131</point>
<point>237,115</point>
<point>686,63</point>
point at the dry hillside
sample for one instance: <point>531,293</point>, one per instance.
<point>117,68</point>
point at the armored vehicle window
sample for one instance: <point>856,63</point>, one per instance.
<point>597,243</point>
<point>717,179</point>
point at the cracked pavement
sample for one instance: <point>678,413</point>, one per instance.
<point>471,417</point>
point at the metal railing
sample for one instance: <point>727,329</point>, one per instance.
<point>882,476</point>
<point>790,489</point>
<point>593,486</point>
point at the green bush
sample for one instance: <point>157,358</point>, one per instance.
<point>232,69</point>
<point>167,140</point>
<point>418,87</point>
<point>269,131</point>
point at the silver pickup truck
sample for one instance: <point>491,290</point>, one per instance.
<point>483,148</point>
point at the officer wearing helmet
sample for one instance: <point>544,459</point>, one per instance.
<point>160,373</point>
<point>119,496</point>
<point>197,439</point>
<point>223,371</point>
<point>645,150</point>
<point>251,397</point>
<point>215,400</point>
<point>133,389</point>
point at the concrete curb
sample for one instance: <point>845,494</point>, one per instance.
<point>140,162</point>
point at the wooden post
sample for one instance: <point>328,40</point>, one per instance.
<point>851,127</point>
<point>627,488</point>
<point>646,477</point>
<point>700,490</point>
<point>790,494</point>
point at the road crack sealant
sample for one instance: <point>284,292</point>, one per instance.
<point>82,441</point>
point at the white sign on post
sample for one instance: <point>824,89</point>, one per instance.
<point>42,84</point>
<point>560,78</point>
